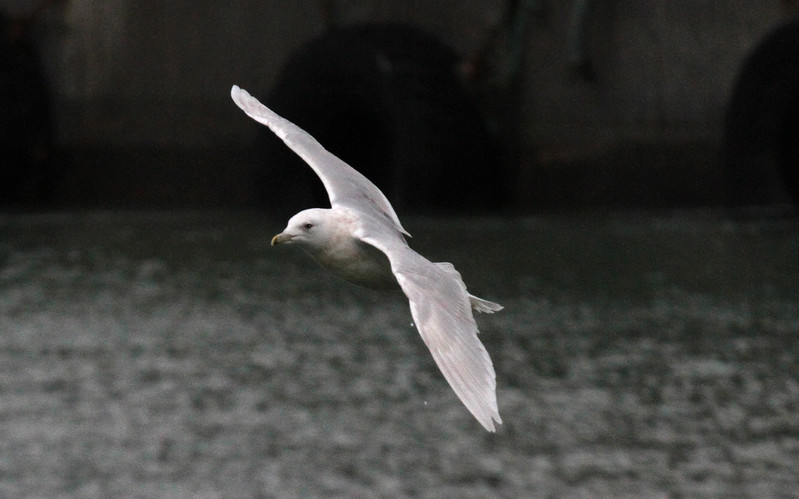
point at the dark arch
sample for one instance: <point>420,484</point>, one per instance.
<point>27,175</point>
<point>761,156</point>
<point>788,148</point>
<point>388,100</point>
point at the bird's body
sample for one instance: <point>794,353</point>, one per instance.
<point>360,264</point>
<point>361,239</point>
<point>343,254</point>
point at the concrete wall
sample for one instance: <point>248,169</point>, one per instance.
<point>663,67</point>
<point>154,74</point>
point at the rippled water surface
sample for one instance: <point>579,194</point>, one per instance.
<point>178,355</point>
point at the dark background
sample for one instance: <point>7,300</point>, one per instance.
<point>576,161</point>
<point>567,104</point>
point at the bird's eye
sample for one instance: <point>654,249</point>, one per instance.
<point>308,226</point>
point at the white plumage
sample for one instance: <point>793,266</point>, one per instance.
<point>361,239</point>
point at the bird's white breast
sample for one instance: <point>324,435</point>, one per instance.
<point>357,262</point>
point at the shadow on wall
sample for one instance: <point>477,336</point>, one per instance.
<point>388,100</point>
<point>761,136</point>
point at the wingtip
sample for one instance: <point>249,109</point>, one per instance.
<point>238,94</point>
<point>491,424</point>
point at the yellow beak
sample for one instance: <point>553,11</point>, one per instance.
<point>281,238</point>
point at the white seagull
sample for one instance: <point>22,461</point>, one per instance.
<point>361,239</point>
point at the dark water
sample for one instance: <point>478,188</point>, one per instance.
<point>178,355</point>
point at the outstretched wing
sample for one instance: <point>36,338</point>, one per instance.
<point>443,315</point>
<point>345,186</point>
<point>438,298</point>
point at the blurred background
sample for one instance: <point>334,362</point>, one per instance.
<point>485,105</point>
<point>621,175</point>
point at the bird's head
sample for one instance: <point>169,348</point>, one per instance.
<point>306,228</point>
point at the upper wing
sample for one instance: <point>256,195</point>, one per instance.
<point>345,186</point>
<point>443,315</point>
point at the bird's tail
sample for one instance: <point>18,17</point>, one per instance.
<point>479,304</point>
<point>484,306</point>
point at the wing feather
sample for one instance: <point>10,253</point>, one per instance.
<point>345,186</point>
<point>442,313</point>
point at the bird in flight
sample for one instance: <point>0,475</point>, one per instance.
<point>360,239</point>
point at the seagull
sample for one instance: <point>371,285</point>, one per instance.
<point>360,239</point>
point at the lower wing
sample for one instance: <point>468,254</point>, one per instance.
<point>442,311</point>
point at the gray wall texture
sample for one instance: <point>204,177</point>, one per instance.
<point>152,75</point>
